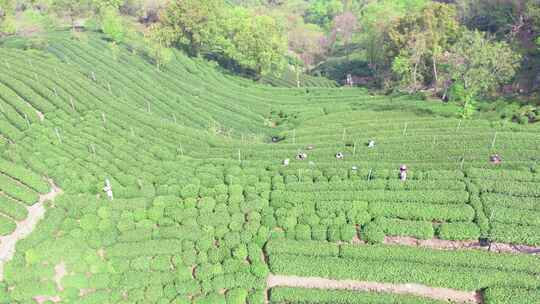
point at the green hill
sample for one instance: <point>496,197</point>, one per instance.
<point>200,188</point>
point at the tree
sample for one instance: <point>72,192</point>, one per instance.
<point>438,25</point>
<point>343,28</point>
<point>6,18</point>
<point>235,36</point>
<point>408,63</point>
<point>156,47</point>
<point>322,12</point>
<point>111,24</point>
<point>106,4</point>
<point>376,17</point>
<point>305,42</point>
<point>193,24</point>
<point>70,8</point>
<point>255,42</point>
<point>480,64</point>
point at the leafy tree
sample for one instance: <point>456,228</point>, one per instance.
<point>107,4</point>
<point>250,41</point>
<point>256,42</point>
<point>322,12</point>
<point>481,64</point>
<point>437,24</point>
<point>112,25</point>
<point>193,24</point>
<point>6,17</point>
<point>157,49</point>
<point>70,8</point>
<point>478,66</point>
<point>407,65</point>
<point>376,18</point>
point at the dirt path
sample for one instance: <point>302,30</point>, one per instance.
<point>40,115</point>
<point>25,227</point>
<point>60,271</point>
<point>444,294</point>
<point>452,245</point>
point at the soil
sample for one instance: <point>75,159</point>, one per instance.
<point>43,299</point>
<point>452,245</point>
<point>60,272</point>
<point>444,294</point>
<point>41,115</point>
<point>25,227</point>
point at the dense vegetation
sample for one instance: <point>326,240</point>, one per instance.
<point>205,204</point>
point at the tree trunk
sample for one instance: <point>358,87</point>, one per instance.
<point>414,76</point>
<point>435,75</point>
<point>297,76</point>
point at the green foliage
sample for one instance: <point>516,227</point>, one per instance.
<point>464,270</point>
<point>253,42</point>
<point>480,65</point>
<point>301,295</point>
<point>418,41</point>
<point>322,12</point>
<point>189,219</point>
<point>112,24</point>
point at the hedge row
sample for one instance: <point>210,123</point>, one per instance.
<point>425,196</point>
<point>513,175</point>
<point>284,295</point>
<point>7,225</point>
<point>375,184</point>
<point>385,270</point>
<point>25,176</point>
<point>515,234</point>
<point>458,231</point>
<point>329,170</point>
<point>12,208</point>
<point>396,227</point>
<point>510,187</point>
<point>145,248</point>
<point>513,216</point>
<point>513,202</point>
<point>422,212</point>
<point>15,190</point>
<point>498,295</point>
<point>462,258</point>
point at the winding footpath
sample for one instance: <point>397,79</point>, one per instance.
<point>35,213</point>
<point>444,294</point>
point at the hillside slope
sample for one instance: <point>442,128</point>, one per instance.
<point>199,186</point>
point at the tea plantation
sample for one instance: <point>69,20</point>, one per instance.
<point>204,210</point>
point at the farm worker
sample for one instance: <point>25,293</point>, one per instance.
<point>371,144</point>
<point>354,168</point>
<point>286,162</point>
<point>310,147</point>
<point>495,159</point>
<point>339,155</point>
<point>301,156</point>
<point>403,172</point>
<point>108,189</point>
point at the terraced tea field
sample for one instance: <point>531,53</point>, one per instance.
<point>205,211</point>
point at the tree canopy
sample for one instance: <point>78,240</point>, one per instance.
<point>209,27</point>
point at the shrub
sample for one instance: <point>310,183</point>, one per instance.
<point>303,232</point>
<point>348,232</point>
<point>373,234</point>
